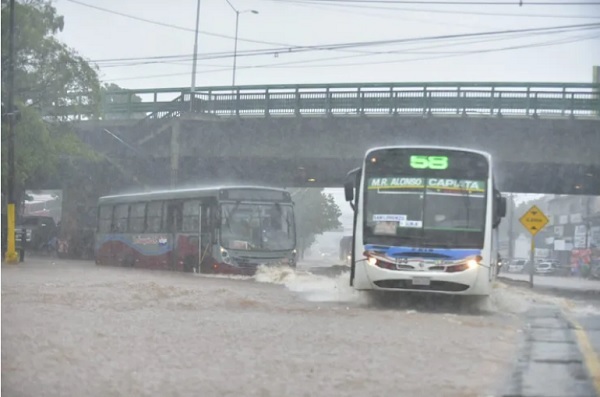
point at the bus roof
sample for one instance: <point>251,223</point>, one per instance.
<point>179,194</point>
<point>460,149</point>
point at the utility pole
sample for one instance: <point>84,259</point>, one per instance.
<point>511,239</point>
<point>587,222</point>
<point>11,253</point>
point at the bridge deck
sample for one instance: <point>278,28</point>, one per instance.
<point>488,99</point>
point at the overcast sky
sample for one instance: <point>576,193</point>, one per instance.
<point>566,56</point>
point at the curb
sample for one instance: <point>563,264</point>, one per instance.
<point>557,291</point>
<point>550,362</point>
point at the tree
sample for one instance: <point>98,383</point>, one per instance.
<point>47,74</point>
<point>112,94</point>
<point>316,213</point>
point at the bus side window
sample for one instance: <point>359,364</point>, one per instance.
<point>120,216</point>
<point>191,213</point>
<point>137,217</point>
<point>105,219</point>
<point>174,217</point>
<point>154,217</point>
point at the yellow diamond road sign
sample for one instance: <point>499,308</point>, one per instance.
<point>534,220</point>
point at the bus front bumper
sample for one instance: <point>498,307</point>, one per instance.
<point>465,282</point>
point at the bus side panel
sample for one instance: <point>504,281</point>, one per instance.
<point>116,249</point>
<point>148,251</point>
<point>361,279</point>
<point>152,251</point>
<point>102,249</point>
<point>187,252</point>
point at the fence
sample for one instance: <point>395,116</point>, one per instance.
<point>490,99</point>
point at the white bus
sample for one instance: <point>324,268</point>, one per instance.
<point>425,219</point>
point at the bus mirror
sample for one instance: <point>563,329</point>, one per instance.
<point>349,191</point>
<point>502,207</point>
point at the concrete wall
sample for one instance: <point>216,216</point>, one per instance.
<point>563,141</point>
<point>532,155</point>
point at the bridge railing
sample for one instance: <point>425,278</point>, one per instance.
<point>491,99</point>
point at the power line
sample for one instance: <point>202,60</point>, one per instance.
<point>453,54</point>
<point>416,51</point>
<point>168,25</point>
<point>289,48</point>
<point>453,2</point>
<point>327,47</point>
<point>459,42</point>
<point>433,11</point>
<point>271,43</point>
<point>440,56</point>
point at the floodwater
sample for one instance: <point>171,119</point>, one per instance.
<point>73,328</point>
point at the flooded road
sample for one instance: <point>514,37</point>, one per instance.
<point>73,328</point>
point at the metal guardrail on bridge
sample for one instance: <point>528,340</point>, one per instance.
<point>491,99</point>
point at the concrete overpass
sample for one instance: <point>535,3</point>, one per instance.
<point>545,139</point>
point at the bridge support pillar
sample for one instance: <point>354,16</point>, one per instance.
<point>175,152</point>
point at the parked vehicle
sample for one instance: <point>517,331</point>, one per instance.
<point>516,266</point>
<point>39,232</point>
<point>546,267</point>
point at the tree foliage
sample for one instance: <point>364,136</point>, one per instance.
<point>316,213</point>
<point>112,94</point>
<point>46,73</point>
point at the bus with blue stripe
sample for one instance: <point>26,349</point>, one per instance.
<point>425,219</point>
<point>230,230</point>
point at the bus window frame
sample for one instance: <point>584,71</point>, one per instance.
<point>161,217</point>
<point>115,219</point>
<point>199,205</point>
<point>109,229</point>
<point>130,218</point>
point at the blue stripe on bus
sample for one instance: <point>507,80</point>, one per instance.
<point>148,250</point>
<point>441,253</point>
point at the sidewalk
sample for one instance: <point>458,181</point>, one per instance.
<point>551,362</point>
<point>566,286</point>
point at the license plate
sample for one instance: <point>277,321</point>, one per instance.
<point>421,281</point>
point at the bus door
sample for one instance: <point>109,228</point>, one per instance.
<point>189,242</point>
<point>206,239</point>
<point>174,221</point>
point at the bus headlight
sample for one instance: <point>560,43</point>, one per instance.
<point>225,256</point>
<point>372,261</point>
<point>474,262</point>
<point>471,263</point>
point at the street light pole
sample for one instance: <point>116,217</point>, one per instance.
<point>11,253</point>
<point>193,88</point>
<point>237,22</point>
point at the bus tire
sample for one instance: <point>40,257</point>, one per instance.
<point>189,263</point>
<point>128,261</point>
<point>205,267</point>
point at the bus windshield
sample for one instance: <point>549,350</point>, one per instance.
<point>257,227</point>
<point>424,207</point>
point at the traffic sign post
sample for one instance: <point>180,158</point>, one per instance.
<point>533,220</point>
